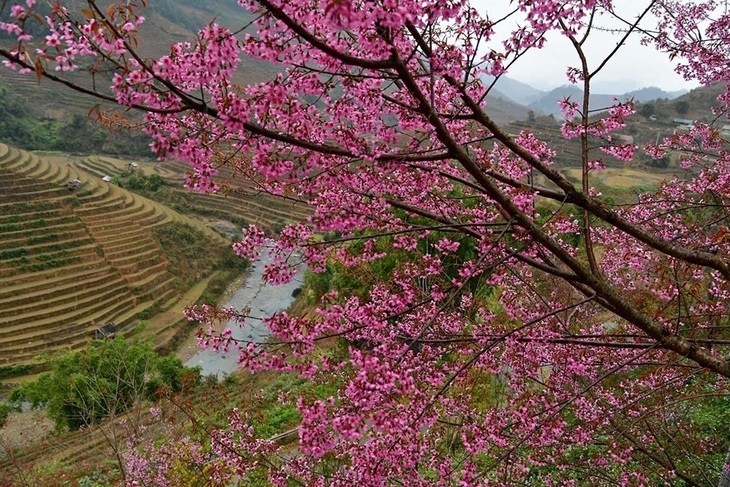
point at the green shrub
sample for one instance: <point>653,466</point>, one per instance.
<point>278,419</point>
<point>13,253</point>
<point>36,239</point>
<point>140,183</point>
<point>83,387</point>
<point>7,371</point>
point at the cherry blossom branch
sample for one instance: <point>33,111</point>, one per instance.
<point>312,40</point>
<point>581,199</point>
<point>603,289</point>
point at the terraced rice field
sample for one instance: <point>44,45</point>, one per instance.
<point>71,261</point>
<point>625,178</point>
<point>568,151</point>
<point>239,200</point>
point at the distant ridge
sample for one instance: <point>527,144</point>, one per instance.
<point>548,103</point>
<point>515,90</point>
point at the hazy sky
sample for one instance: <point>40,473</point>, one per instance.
<point>635,66</point>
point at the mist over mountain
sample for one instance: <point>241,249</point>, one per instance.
<point>518,91</point>
<point>548,103</point>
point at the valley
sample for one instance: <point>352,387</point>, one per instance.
<point>471,317</point>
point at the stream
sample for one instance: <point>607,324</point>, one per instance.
<point>263,300</point>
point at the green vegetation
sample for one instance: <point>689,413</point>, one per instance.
<point>17,128</point>
<point>41,262</point>
<point>32,224</point>
<point>77,133</point>
<point>711,418</point>
<point>149,312</point>
<point>272,415</point>
<point>139,183</point>
<point>647,109</point>
<point>39,207</point>
<point>217,287</point>
<point>7,371</point>
<point>48,237</point>
<point>355,281</point>
<point>13,253</point>
<point>83,387</point>
<point>156,188</point>
<point>183,246</point>
<point>276,419</point>
<point>682,107</point>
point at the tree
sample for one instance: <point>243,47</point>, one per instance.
<point>682,107</point>
<point>647,109</point>
<point>103,387</point>
<point>526,359</point>
<point>105,380</point>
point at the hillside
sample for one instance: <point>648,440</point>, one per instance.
<point>694,105</point>
<point>73,260</point>
<point>652,121</point>
<point>504,110</point>
<point>238,203</point>
<point>524,98</point>
<point>167,22</point>
<point>26,126</point>
<point>516,90</point>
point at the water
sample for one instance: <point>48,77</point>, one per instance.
<point>263,300</point>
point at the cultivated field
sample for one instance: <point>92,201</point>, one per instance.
<point>239,200</point>
<point>71,261</point>
<point>625,178</point>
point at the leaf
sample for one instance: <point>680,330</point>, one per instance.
<point>94,111</point>
<point>111,11</point>
<point>38,70</point>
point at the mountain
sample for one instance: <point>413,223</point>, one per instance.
<point>171,21</point>
<point>503,109</point>
<point>697,104</point>
<point>516,90</point>
<point>653,93</point>
<point>167,22</point>
<point>508,89</point>
<point>548,103</point>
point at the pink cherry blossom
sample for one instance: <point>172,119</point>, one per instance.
<point>499,323</point>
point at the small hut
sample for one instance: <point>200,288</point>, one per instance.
<point>73,185</point>
<point>107,331</point>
